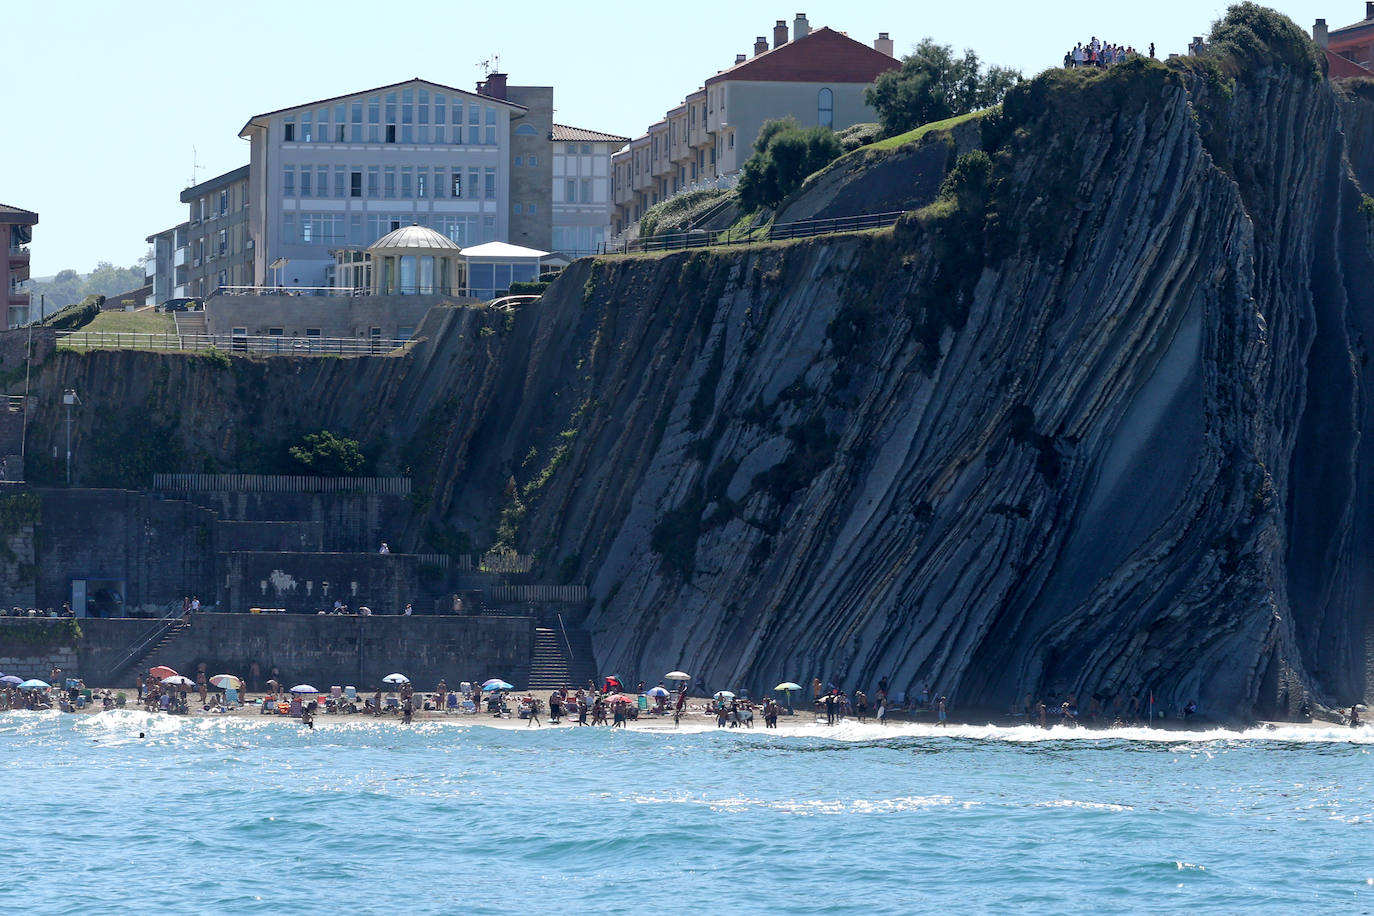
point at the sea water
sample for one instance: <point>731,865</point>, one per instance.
<point>242,815</point>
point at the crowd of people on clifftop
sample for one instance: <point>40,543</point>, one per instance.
<point>1097,53</point>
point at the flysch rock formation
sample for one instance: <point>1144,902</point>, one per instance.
<point>1092,421</point>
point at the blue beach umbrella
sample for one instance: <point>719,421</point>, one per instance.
<point>495,684</point>
<point>11,679</point>
<point>656,692</point>
<point>34,684</point>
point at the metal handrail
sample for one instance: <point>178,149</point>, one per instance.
<point>706,238</point>
<point>231,343</point>
<point>566,641</point>
<point>142,645</point>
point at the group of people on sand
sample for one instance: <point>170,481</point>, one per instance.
<point>1097,53</point>
<point>836,704</point>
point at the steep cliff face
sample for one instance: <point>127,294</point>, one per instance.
<point>1093,421</point>
<point>1095,431</point>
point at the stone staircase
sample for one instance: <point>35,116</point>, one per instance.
<point>551,664</point>
<point>191,323</point>
<point>140,661</point>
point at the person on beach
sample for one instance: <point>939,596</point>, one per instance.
<point>308,719</point>
<point>534,713</point>
<point>860,705</point>
<point>407,711</point>
<point>618,714</point>
<point>941,711</point>
<point>881,715</point>
<point>1355,716</point>
<point>555,707</point>
<point>829,702</point>
<point>583,706</point>
<point>770,714</point>
<point>815,689</point>
<point>720,713</point>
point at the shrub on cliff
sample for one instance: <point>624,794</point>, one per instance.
<point>1255,36</point>
<point>933,85</point>
<point>75,316</point>
<point>784,155</point>
<point>328,455</point>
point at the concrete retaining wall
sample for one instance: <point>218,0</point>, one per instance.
<point>320,650</point>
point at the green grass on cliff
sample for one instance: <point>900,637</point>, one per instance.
<point>912,136</point>
<point>132,323</point>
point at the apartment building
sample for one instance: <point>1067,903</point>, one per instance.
<point>816,76</point>
<point>168,268</point>
<point>220,250</point>
<point>16,228</point>
<point>1349,49</point>
<point>581,190</point>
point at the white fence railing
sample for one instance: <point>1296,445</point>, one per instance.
<point>230,343</point>
<point>280,483</point>
<point>568,594</point>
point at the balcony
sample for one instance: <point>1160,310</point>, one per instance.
<point>179,259</point>
<point>18,297</point>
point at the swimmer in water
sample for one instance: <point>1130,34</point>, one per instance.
<point>307,719</point>
<point>141,735</point>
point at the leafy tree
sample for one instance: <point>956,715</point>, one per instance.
<point>1257,36</point>
<point>785,153</point>
<point>328,455</point>
<point>933,84</point>
<point>108,280</point>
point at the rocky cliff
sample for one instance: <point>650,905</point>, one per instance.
<point>1090,419</point>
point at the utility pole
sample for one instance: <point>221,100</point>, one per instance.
<point>69,398</point>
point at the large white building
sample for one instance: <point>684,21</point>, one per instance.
<point>345,171</point>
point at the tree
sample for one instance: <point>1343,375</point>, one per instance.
<point>108,280</point>
<point>328,455</point>
<point>785,153</point>
<point>933,84</point>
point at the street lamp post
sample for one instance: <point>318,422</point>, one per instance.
<point>69,398</point>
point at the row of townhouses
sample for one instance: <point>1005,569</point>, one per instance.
<point>817,77</point>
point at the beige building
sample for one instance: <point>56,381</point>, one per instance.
<point>817,77</point>
<point>220,251</point>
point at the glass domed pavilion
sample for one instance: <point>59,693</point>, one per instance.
<point>416,261</point>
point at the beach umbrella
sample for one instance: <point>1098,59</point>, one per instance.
<point>622,698</point>
<point>162,671</point>
<point>226,681</point>
<point>496,684</point>
<point>724,695</point>
<point>787,687</point>
<point>34,684</point>
<point>657,692</point>
<point>677,676</point>
<point>178,680</point>
<point>395,679</point>
<point>12,680</point>
<point>303,688</point>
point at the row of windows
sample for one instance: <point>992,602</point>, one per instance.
<point>362,229</point>
<point>382,182</point>
<point>216,205</point>
<point>416,119</point>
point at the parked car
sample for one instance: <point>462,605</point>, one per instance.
<point>181,305</point>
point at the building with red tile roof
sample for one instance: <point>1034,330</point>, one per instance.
<point>1349,49</point>
<point>816,76</point>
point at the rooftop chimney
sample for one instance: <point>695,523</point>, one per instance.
<point>1319,34</point>
<point>1369,9</point>
<point>780,33</point>
<point>760,45</point>
<point>800,27</point>
<point>884,44</point>
<point>494,87</point>
<point>740,58</point>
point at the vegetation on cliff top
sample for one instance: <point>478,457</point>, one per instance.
<point>934,85</point>
<point>784,155</point>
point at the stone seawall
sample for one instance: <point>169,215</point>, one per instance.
<point>306,648</point>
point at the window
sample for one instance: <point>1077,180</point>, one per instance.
<point>526,130</point>
<point>586,196</point>
<point>586,149</point>
<point>341,129</point>
<point>389,181</point>
<point>826,105</point>
<point>312,332</point>
<point>223,243</point>
<point>534,161</point>
<point>440,107</point>
<point>474,177</point>
<point>322,181</point>
<point>516,208</point>
<point>491,127</point>
<point>489,184</point>
<point>531,209</point>
<point>457,183</point>
<point>391,133</point>
<point>276,332</point>
<point>421,182</point>
<point>519,162</point>
<point>340,180</point>
<point>570,191</point>
<point>288,181</point>
<point>290,130</point>
<point>407,182</point>
<point>307,128</point>
<point>355,229</point>
<point>307,230</point>
<point>372,172</point>
<point>223,202</point>
<point>305,182</point>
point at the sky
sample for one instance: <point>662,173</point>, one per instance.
<point>112,108</point>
